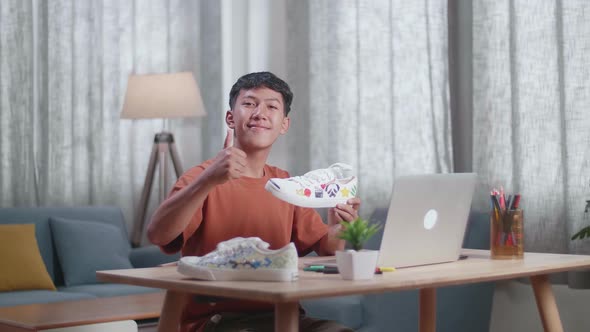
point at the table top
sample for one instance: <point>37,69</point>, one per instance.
<point>43,316</point>
<point>478,267</point>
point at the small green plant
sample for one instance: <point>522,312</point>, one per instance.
<point>584,232</point>
<point>357,232</point>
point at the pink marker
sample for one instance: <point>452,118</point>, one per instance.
<point>516,201</point>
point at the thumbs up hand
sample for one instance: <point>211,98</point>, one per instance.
<point>229,139</point>
<point>230,163</point>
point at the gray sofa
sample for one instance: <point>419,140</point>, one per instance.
<point>74,242</point>
<point>459,308</point>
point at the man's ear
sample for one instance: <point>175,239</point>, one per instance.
<point>229,119</point>
<point>285,125</point>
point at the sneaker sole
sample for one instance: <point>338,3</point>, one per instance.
<point>305,202</point>
<point>237,275</point>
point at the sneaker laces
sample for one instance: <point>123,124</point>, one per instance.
<point>335,171</point>
<point>232,246</point>
<point>240,242</point>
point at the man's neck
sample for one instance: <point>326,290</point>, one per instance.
<point>256,162</point>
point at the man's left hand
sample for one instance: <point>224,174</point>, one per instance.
<point>347,212</point>
<point>344,212</point>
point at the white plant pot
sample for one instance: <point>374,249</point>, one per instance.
<point>357,265</point>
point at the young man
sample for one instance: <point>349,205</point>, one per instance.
<point>224,197</point>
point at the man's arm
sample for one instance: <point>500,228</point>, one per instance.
<point>330,243</point>
<point>175,213</point>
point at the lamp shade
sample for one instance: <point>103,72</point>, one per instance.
<point>162,96</point>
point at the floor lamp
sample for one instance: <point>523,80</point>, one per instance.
<point>158,97</point>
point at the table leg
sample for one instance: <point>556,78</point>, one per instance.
<point>287,317</point>
<point>427,310</point>
<point>171,310</point>
<point>546,303</point>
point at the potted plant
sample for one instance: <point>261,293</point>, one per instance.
<point>581,279</point>
<point>584,232</point>
<point>357,263</point>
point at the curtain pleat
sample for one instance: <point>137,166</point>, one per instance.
<point>16,120</point>
<point>376,101</point>
<point>185,54</point>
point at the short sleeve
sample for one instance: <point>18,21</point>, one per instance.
<point>308,229</point>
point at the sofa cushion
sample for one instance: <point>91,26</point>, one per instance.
<point>20,260</point>
<point>150,256</point>
<point>107,290</point>
<point>15,216</point>
<point>84,247</point>
<point>9,299</point>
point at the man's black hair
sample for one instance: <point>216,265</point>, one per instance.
<point>258,80</point>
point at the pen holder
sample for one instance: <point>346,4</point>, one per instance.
<point>506,234</point>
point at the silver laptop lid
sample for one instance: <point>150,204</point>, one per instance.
<point>426,220</point>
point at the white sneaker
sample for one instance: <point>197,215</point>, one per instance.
<point>322,188</point>
<point>243,259</point>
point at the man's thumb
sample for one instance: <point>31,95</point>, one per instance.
<point>229,139</point>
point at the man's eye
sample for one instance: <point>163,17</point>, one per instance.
<point>273,107</point>
<point>247,104</point>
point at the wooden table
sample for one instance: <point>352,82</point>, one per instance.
<point>38,317</point>
<point>478,267</point>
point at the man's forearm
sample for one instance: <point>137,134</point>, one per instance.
<point>175,213</point>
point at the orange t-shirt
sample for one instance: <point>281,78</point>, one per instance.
<point>241,207</point>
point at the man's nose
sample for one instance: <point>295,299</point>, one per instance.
<point>260,111</point>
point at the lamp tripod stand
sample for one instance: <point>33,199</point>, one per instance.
<point>163,146</point>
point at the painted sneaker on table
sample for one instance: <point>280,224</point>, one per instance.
<point>321,188</point>
<point>243,259</point>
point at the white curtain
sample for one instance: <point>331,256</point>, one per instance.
<point>531,109</point>
<point>64,66</point>
<point>370,80</point>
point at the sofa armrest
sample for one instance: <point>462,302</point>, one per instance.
<point>150,256</point>
<point>477,235</point>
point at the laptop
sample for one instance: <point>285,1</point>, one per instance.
<point>426,220</point>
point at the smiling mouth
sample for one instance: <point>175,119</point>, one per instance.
<point>257,126</point>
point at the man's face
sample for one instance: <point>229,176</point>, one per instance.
<point>258,118</point>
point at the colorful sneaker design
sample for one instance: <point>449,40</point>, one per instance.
<point>321,188</point>
<point>243,259</point>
